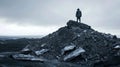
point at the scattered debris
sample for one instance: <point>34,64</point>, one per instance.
<point>42,51</point>
<point>78,35</point>
<point>117,47</point>
<point>26,49</point>
<point>65,45</point>
<point>85,31</point>
<point>68,48</point>
<point>27,57</point>
<point>74,54</point>
<point>42,45</point>
<point>22,56</point>
<point>1,56</point>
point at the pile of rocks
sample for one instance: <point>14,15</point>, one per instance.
<point>79,43</point>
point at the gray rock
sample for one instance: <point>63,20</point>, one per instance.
<point>68,48</point>
<point>27,57</point>
<point>74,54</point>
<point>85,31</point>
<point>22,57</point>
<point>42,45</point>
<point>72,23</point>
<point>26,48</point>
<point>42,51</point>
<point>117,47</point>
<point>1,56</point>
<point>97,45</point>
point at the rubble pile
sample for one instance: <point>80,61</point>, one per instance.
<point>79,43</point>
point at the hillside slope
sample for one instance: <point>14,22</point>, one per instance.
<point>79,43</point>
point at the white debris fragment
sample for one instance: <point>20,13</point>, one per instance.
<point>92,32</point>
<point>74,54</point>
<point>26,49</point>
<point>42,51</point>
<point>1,56</point>
<point>42,45</point>
<point>107,35</point>
<point>38,59</point>
<point>78,35</point>
<point>68,48</point>
<point>117,47</point>
<point>22,57</point>
<point>27,57</point>
<point>85,31</point>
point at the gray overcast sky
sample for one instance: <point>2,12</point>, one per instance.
<point>40,17</point>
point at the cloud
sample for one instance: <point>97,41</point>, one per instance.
<point>29,11</point>
<point>100,14</point>
<point>17,30</point>
<point>46,12</point>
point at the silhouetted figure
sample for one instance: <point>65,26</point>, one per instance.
<point>78,15</point>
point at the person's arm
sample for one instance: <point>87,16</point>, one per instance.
<point>81,13</point>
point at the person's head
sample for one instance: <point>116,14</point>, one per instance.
<point>78,9</point>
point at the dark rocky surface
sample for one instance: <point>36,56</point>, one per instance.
<point>101,50</point>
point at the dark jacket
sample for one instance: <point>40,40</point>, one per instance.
<point>78,13</point>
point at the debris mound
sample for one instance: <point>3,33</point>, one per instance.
<point>79,43</point>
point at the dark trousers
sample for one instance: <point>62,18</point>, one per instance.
<point>78,19</point>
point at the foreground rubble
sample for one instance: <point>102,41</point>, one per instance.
<point>42,51</point>
<point>68,48</point>
<point>74,54</point>
<point>78,40</point>
<point>28,57</point>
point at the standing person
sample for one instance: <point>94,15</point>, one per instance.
<point>78,15</point>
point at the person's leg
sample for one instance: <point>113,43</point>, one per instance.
<point>80,20</point>
<point>77,19</point>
